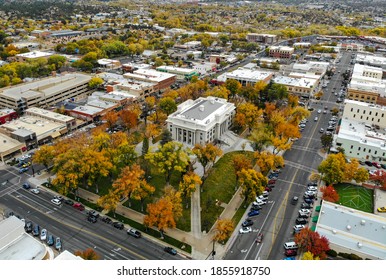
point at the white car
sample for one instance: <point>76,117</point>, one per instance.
<point>298,228</point>
<point>259,202</point>
<point>262,198</point>
<point>312,188</point>
<point>310,193</point>
<point>35,191</point>
<point>56,201</point>
<point>245,230</point>
<point>319,111</point>
<point>43,234</point>
<point>305,211</point>
<point>321,130</point>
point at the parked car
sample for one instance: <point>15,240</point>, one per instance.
<point>290,253</point>
<point>50,240</point>
<point>58,197</point>
<point>93,213</point>
<point>308,200</point>
<point>376,164</point>
<point>301,221</point>
<point>298,228</point>
<point>107,220</point>
<point>170,250</point>
<point>247,223</point>
<point>245,230</point>
<point>78,206</point>
<point>28,227</point>
<point>383,165</point>
<point>58,244</point>
<point>253,213</point>
<point>69,202</point>
<point>43,234</point>
<point>303,215</point>
<point>272,181</point>
<point>312,188</point>
<point>256,207</point>
<point>381,209</point>
<point>259,202</point>
<point>36,230</point>
<point>92,219</point>
<point>23,169</point>
<point>134,232</point>
<point>368,163</point>
<point>312,184</point>
<point>310,193</point>
<point>26,186</point>
<point>305,206</point>
<point>118,225</point>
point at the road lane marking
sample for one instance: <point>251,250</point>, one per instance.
<point>82,229</point>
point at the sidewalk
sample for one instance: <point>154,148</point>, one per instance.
<point>201,242</point>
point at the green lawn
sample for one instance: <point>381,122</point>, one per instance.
<point>219,186</point>
<point>356,197</point>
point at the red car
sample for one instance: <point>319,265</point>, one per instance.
<point>290,253</point>
<point>78,206</point>
<point>272,181</point>
<point>376,164</point>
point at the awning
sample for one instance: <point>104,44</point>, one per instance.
<point>317,208</point>
<point>55,134</point>
<point>313,228</point>
<point>315,219</point>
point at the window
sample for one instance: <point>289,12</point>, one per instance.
<point>359,148</point>
<point>351,146</point>
<point>364,149</point>
<point>352,109</point>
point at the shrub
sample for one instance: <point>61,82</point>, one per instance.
<point>332,253</point>
<point>354,257</point>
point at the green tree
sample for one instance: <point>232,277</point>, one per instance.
<point>168,158</point>
<point>167,105</point>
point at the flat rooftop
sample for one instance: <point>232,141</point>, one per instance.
<point>173,69</point>
<point>49,114</point>
<point>89,110</point>
<point>34,54</point>
<point>48,87</point>
<point>248,74</point>
<point>152,75</point>
<point>8,144</point>
<point>353,229</point>
<point>371,59</point>
<point>202,109</point>
<point>4,112</point>
<point>42,127</point>
<point>360,68</point>
<point>296,82</point>
<point>16,244</point>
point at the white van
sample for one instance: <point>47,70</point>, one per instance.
<point>290,245</point>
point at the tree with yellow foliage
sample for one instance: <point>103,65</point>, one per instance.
<point>206,154</point>
<point>308,256</point>
<point>252,184</point>
<point>188,185</point>
<point>223,230</point>
<point>267,161</point>
<point>45,156</point>
<point>109,202</point>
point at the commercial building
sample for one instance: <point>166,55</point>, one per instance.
<point>204,67</point>
<point>188,45</point>
<point>183,74</point>
<point>51,116</point>
<point>9,146</point>
<point>65,33</point>
<point>105,63</point>
<point>352,231</point>
<point>16,244</point>
<point>311,67</point>
<point>7,115</point>
<point>367,85</point>
<point>371,60</point>
<point>261,38</point>
<point>246,76</point>
<point>131,67</point>
<point>201,121</point>
<point>45,92</point>
<point>161,80</point>
<point>30,55</point>
<point>362,131</point>
<point>304,87</point>
<point>33,129</point>
<point>87,113</point>
<point>281,51</point>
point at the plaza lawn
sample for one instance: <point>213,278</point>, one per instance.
<point>219,187</point>
<point>356,197</point>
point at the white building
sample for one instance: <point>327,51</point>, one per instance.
<point>362,132</point>
<point>364,71</point>
<point>201,121</point>
<point>300,86</point>
<point>353,231</point>
<point>372,60</point>
<point>204,67</point>
<point>247,76</point>
<point>311,67</point>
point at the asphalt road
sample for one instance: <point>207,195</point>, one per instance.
<point>71,224</point>
<point>277,218</point>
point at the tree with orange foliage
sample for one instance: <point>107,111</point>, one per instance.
<point>129,119</point>
<point>111,119</point>
<point>88,254</point>
<point>379,178</point>
<point>310,241</point>
<point>247,114</point>
<point>130,179</point>
<point>329,194</point>
<point>223,230</point>
<point>160,214</point>
<point>188,185</point>
<point>142,192</point>
<point>109,201</point>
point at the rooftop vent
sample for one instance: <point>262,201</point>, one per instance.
<point>348,227</point>
<point>359,245</point>
<point>363,222</point>
<point>201,108</point>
